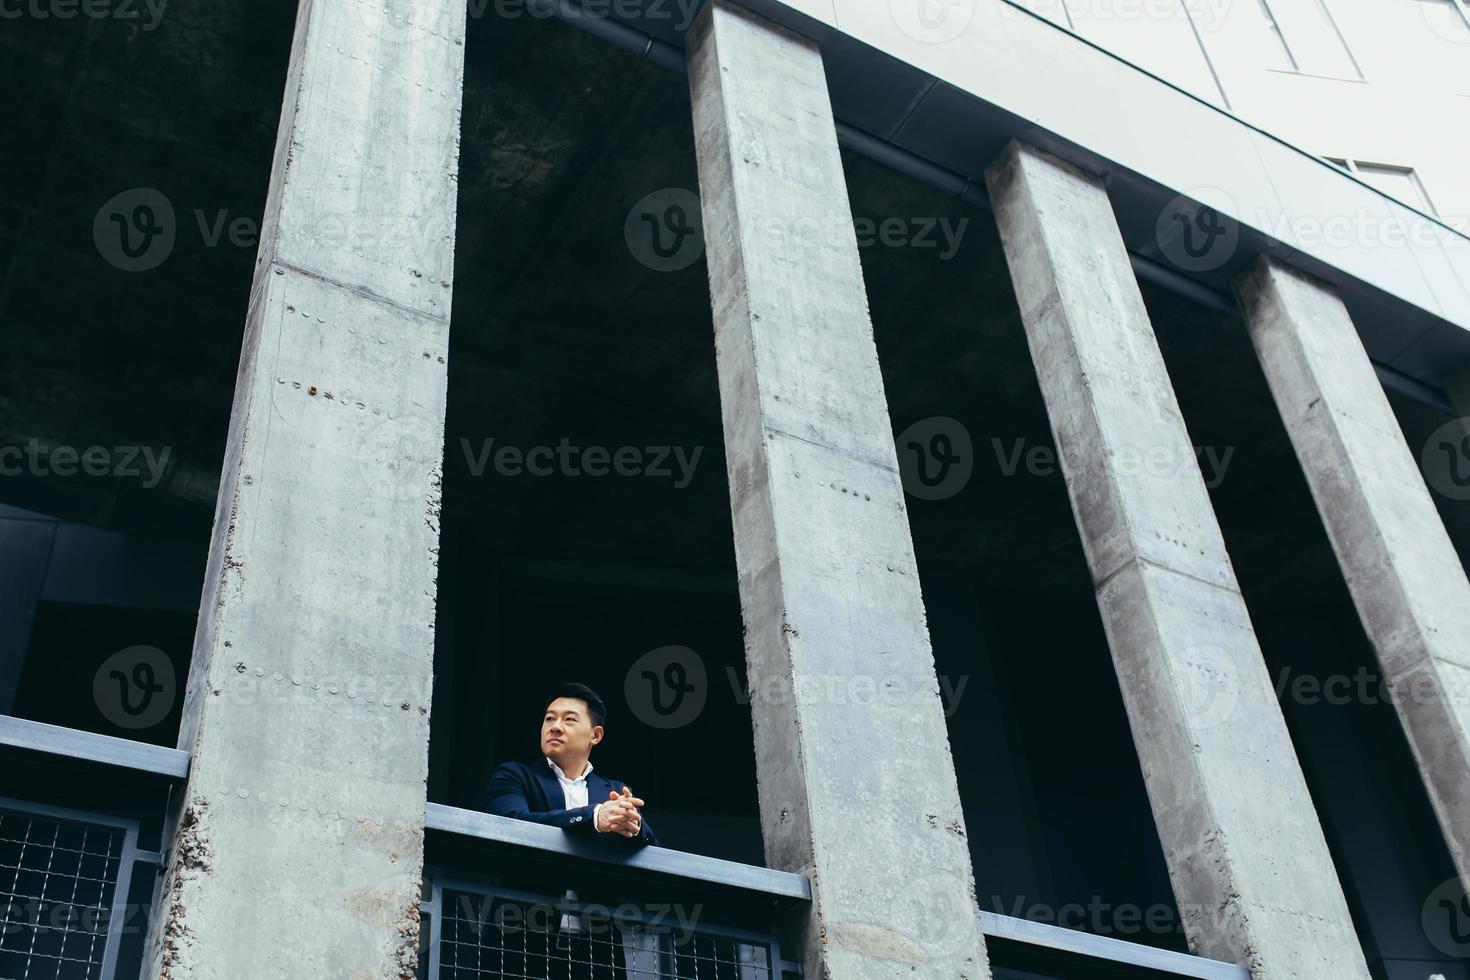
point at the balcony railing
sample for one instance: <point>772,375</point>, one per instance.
<point>509,898</point>
<point>514,850</point>
<point>477,933</point>
<point>494,888</point>
<point>65,877</point>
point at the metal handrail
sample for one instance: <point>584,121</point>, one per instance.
<point>1097,947</point>
<point>21,733</point>
<point>662,860</point>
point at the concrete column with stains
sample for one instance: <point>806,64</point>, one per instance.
<point>297,841</point>
<point>857,783</point>
<point>1247,857</point>
<point>1402,570</point>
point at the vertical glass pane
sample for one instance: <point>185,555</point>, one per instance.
<point>1312,35</point>
<point>1280,52</point>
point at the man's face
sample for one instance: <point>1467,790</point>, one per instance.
<point>567,732</point>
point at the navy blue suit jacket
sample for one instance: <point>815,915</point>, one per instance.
<point>531,792</point>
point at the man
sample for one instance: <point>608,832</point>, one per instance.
<point>564,792</point>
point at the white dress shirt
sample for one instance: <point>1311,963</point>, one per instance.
<point>574,791</point>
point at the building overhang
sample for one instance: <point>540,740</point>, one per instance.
<point>955,102</point>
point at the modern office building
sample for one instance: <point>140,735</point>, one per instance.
<point>1004,463</point>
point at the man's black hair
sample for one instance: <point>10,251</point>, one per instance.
<point>596,707</point>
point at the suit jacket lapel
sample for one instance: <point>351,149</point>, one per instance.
<point>598,786</point>
<point>551,794</point>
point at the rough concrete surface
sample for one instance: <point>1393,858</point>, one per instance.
<point>1254,880</point>
<point>857,784</point>
<point>1405,577</point>
<point>300,831</point>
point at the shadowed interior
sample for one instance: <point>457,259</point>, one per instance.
<point>565,337</point>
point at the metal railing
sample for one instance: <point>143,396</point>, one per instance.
<point>1018,947</point>
<point>70,743</point>
<point>65,877</point>
<point>477,933</point>
<point>771,893</point>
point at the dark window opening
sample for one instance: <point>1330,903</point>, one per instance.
<point>1058,818</point>
<point>113,671</point>
<point>586,520</point>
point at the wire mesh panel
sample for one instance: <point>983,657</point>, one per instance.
<point>57,883</point>
<point>701,956</point>
<point>484,936</point>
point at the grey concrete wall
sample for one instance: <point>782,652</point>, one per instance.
<point>1404,574</point>
<point>1249,865</point>
<point>297,844</point>
<point>857,785</point>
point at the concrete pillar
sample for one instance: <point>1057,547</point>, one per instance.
<point>1250,867</point>
<point>298,839</point>
<point>1403,572</point>
<point>857,785</point>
